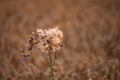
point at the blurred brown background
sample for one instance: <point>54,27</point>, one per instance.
<point>92,38</point>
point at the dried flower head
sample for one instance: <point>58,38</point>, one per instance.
<point>48,39</point>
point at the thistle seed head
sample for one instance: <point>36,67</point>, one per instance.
<point>48,39</point>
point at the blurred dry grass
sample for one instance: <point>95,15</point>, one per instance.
<point>92,37</point>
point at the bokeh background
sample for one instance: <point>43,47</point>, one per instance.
<point>91,35</point>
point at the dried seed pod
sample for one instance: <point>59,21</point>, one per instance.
<point>45,40</point>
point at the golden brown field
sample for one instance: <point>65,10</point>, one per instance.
<point>91,34</point>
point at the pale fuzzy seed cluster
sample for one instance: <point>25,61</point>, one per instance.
<point>48,39</point>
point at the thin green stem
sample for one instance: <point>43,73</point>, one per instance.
<point>54,57</point>
<point>51,65</point>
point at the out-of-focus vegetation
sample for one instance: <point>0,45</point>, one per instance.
<point>91,31</point>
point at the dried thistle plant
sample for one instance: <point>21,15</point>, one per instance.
<point>48,41</point>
